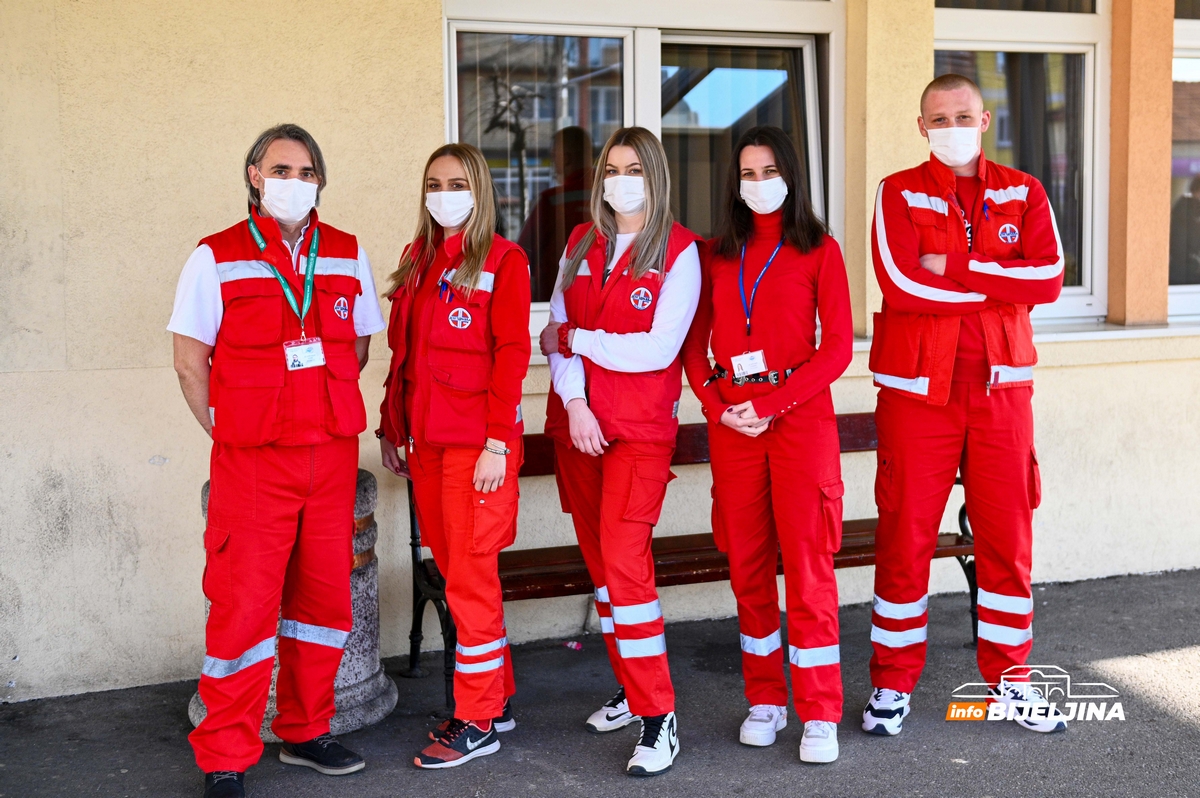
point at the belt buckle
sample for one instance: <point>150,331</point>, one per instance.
<point>773,377</point>
<point>739,381</point>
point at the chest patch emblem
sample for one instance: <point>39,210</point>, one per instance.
<point>1008,234</point>
<point>460,319</point>
<point>641,298</point>
<point>342,308</point>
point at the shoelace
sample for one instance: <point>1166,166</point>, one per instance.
<point>453,731</point>
<point>818,728</point>
<point>224,775</point>
<point>651,727</point>
<point>325,740</point>
<point>616,700</point>
<point>761,713</point>
<point>897,696</point>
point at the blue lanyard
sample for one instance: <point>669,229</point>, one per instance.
<point>749,307</point>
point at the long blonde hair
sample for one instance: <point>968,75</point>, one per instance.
<point>649,250</point>
<point>477,233</point>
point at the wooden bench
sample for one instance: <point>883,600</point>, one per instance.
<point>678,559</point>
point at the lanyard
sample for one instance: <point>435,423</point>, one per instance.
<point>748,307</point>
<point>310,271</point>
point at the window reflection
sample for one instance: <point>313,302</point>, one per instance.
<point>1185,172</point>
<point>540,108</point>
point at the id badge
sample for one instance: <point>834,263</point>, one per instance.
<point>749,364</point>
<point>303,354</point>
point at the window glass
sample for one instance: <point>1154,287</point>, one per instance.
<point>711,94</point>
<point>540,108</point>
<point>1036,101</point>
<point>1071,6</point>
<point>1185,172</point>
<point>1187,9</point>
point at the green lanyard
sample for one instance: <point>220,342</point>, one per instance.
<point>310,271</point>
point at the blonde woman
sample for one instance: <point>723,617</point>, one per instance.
<point>628,287</point>
<point>459,334</point>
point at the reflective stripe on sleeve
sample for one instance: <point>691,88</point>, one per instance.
<point>1017,605</point>
<point>1004,635</point>
<point>637,613</point>
<point>308,633</point>
<point>900,612</point>
<point>642,647</point>
<point>814,657</point>
<point>761,646</point>
<point>220,668</point>
<point>892,639</point>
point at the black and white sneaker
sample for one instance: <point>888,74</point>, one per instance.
<point>613,715</point>
<point>658,747</point>
<point>323,754</point>
<point>224,784</point>
<point>460,743</point>
<point>1032,711</point>
<point>504,723</point>
<point>885,712</point>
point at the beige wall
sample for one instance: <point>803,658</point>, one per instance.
<point>122,131</point>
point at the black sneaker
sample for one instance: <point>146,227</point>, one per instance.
<point>460,743</point>
<point>323,754</point>
<point>504,723</point>
<point>224,784</point>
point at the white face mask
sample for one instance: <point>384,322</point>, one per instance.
<point>626,194</point>
<point>450,208</point>
<point>288,201</point>
<point>954,146</point>
<point>764,196</point>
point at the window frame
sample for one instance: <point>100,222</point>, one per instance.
<point>1070,33</point>
<point>1183,301</point>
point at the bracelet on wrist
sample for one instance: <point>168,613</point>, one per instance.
<point>502,452</point>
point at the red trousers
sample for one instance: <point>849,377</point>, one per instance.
<point>782,492</point>
<point>615,500</point>
<point>279,536</point>
<point>466,530</point>
<point>988,436</point>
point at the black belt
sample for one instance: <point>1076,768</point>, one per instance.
<point>773,377</point>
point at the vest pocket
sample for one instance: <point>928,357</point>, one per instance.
<point>648,489</point>
<point>1035,480</point>
<point>254,319</point>
<point>347,414</point>
<point>885,498</point>
<point>831,512</point>
<point>1018,329</point>
<point>896,348</point>
<point>247,400</point>
<point>457,404</point>
<point>931,229</point>
<point>335,309</point>
<point>217,581</point>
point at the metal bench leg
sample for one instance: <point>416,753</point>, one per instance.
<point>415,671</point>
<point>968,566</point>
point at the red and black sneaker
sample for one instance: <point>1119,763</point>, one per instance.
<point>504,723</point>
<point>461,742</point>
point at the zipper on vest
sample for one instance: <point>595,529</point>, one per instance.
<point>411,447</point>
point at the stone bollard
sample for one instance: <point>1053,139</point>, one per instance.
<point>363,693</point>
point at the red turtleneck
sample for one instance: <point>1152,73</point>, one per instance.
<point>797,290</point>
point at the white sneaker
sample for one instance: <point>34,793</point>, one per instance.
<point>760,726</point>
<point>613,715</point>
<point>819,743</point>
<point>885,712</point>
<point>1035,712</point>
<point>658,747</point>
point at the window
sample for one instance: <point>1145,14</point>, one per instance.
<point>1036,100</point>
<point>712,92</point>
<point>1184,295</point>
<point>1071,6</point>
<point>1187,9</point>
<point>539,107</point>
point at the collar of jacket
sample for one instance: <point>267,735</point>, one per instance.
<point>945,176</point>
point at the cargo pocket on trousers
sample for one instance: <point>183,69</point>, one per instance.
<point>831,512</point>
<point>1035,480</point>
<point>650,478</point>
<point>495,522</point>
<point>217,581</point>
<point>884,487</point>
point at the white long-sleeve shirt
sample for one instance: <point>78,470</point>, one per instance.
<point>629,352</point>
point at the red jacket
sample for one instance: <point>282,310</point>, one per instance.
<point>476,346</point>
<point>632,407</point>
<point>255,399</point>
<point>794,292</point>
<point>1015,262</point>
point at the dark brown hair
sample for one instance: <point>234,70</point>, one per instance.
<point>258,151</point>
<point>801,227</point>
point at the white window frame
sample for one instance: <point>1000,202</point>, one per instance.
<point>643,25</point>
<point>1183,301</point>
<point>1051,32</point>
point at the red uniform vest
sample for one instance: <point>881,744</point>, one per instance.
<point>460,360</point>
<point>632,407</point>
<point>255,399</point>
